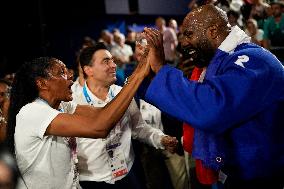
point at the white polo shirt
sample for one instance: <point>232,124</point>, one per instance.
<point>93,153</point>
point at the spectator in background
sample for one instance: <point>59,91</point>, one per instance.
<point>116,31</point>
<point>71,73</point>
<point>254,32</point>
<point>88,42</point>
<point>107,38</point>
<point>9,172</point>
<point>122,54</point>
<point>259,11</point>
<point>193,4</point>
<point>173,24</point>
<point>233,18</point>
<point>274,30</point>
<point>9,78</point>
<point>79,82</point>
<point>274,26</point>
<point>223,4</point>
<point>130,39</point>
<point>4,105</point>
<point>169,40</point>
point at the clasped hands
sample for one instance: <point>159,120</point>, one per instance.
<point>152,56</point>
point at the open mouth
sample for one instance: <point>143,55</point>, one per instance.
<point>191,51</point>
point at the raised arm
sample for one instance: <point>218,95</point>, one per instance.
<point>97,122</point>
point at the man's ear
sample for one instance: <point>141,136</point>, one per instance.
<point>42,84</point>
<point>87,70</point>
<point>212,32</point>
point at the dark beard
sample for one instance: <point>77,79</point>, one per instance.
<point>201,58</point>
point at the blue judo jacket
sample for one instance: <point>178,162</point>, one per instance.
<point>237,111</point>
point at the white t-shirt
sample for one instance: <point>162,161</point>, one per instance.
<point>45,162</point>
<point>92,154</point>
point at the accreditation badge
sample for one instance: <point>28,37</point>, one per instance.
<point>117,163</point>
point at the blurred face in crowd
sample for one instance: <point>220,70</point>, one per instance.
<point>10,77</point>
<point>71,74</point>
<point>107,37</point>
<point>5,177</point>
<point>252,28</point>
<point>160,22</point>
<point>3,92</point>
<point>58,84</point>
<point>173,24</point>
<point>276,9</point>
<point>119,38</point>
<point>232,20</point>
<point>103,68</point>
<point>131,36</point>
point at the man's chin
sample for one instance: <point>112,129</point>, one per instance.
<point>200,63</point>
<point>113,81</point>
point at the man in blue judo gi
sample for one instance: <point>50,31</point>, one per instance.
<point>237,111</point>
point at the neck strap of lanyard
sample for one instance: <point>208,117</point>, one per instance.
<point>88,98</point>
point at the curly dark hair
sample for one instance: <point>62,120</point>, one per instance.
<point>25,90</point>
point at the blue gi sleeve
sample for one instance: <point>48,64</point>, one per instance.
<point>221,101</point>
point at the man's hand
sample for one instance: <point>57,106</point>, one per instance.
<point>170,143</point>
<point>156,56</point>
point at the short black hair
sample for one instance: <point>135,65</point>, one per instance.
<point>233,13</point>
<point>86,55</point>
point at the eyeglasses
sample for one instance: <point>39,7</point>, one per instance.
<point>62,74</point>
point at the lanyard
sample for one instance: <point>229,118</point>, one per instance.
<point>88,98</point>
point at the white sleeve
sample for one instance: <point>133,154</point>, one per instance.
<point>35,118</point>
<point>141,130</point>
